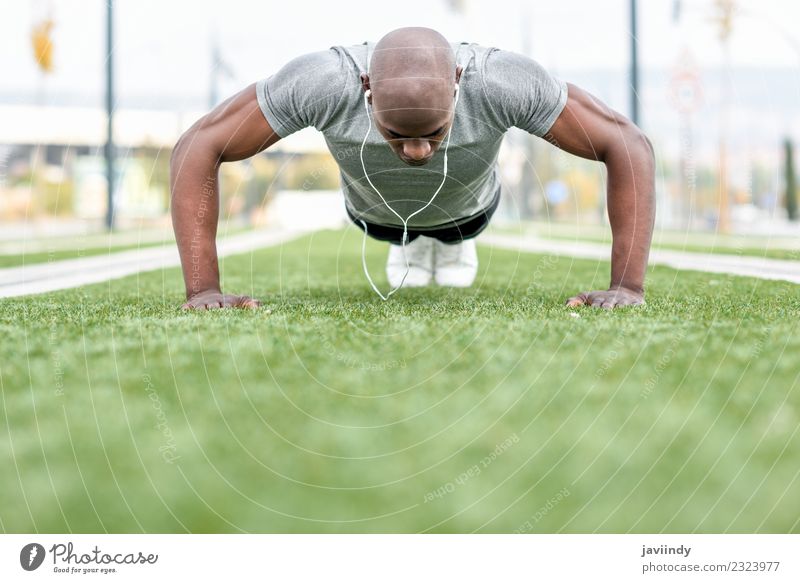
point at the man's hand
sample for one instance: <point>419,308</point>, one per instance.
<point>213,299</point>
<point>613,298</point>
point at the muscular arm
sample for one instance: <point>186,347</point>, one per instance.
<point>234,130</point>
<point>589,129</point>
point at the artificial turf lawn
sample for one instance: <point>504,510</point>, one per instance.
<point>488,409</point>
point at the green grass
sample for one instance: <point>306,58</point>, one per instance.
<point>489,409</point>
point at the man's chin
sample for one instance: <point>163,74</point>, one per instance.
<point>416,162</point>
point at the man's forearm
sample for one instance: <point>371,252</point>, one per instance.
<point>195,212</point>
<point>631,209</point>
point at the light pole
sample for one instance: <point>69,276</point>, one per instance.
<point>108,149</point>
<point>725,13</point>
<point>634,72</point>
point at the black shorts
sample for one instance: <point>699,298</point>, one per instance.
<point>446,233</point>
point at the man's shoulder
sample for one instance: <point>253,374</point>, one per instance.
<point>329,59</point>
<point>323,69</point>
<point>470,46</point>
<point>352,57</point>
<point>482,59</point>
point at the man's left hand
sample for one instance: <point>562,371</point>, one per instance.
<point>614,297</point>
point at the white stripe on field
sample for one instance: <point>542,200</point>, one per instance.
<point>748,266</point>
<point>44,277</point>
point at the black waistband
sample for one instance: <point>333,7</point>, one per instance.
<point>487,212</point>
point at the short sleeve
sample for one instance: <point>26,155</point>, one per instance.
<point>521,93</point>
<point>305,92</point>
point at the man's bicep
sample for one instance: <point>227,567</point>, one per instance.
<point>586,126</point>
<point>236,129</point>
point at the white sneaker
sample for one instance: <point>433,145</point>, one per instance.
<point>455,265</point>
<point>420,263</point>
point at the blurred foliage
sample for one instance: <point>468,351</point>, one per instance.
<point>311,172</point>
<point>762,181</point>
<point>55,198</point>
<point>707,185</point>
<point>248,185</point>
<point>585,188</point>
<point>156,160</point>
<point>262,182</point>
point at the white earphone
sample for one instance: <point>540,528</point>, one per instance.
<point>367,94</point>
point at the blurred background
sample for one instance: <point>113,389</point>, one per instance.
<point>714,83</point>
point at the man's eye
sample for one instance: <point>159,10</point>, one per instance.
<point>437,137</point>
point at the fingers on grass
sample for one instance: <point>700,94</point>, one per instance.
<point>631,302</point>
<point>226,302</point>
<point>578,300</point>
<point>245,302</point>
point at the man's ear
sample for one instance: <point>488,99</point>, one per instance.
<point>365,82</point>
<point>459,70</point>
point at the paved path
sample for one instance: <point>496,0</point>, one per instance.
<point>748,266</point>
<point>55,275</point>
<point>40,244</point>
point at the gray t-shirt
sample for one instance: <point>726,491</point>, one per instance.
<point>498,89</point>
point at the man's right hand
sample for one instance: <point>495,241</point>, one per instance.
<point>214,299</point>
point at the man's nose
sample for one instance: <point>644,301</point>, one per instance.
<point>416,149</point>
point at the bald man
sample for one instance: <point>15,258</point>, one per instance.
<point>390,112</point>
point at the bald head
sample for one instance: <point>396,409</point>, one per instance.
<point>411,57</point>
<point>412,77</point>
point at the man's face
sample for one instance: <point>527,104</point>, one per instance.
<point>414,120</point>
<point>414,134</point>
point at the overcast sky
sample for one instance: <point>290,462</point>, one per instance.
<point>163,46</point>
